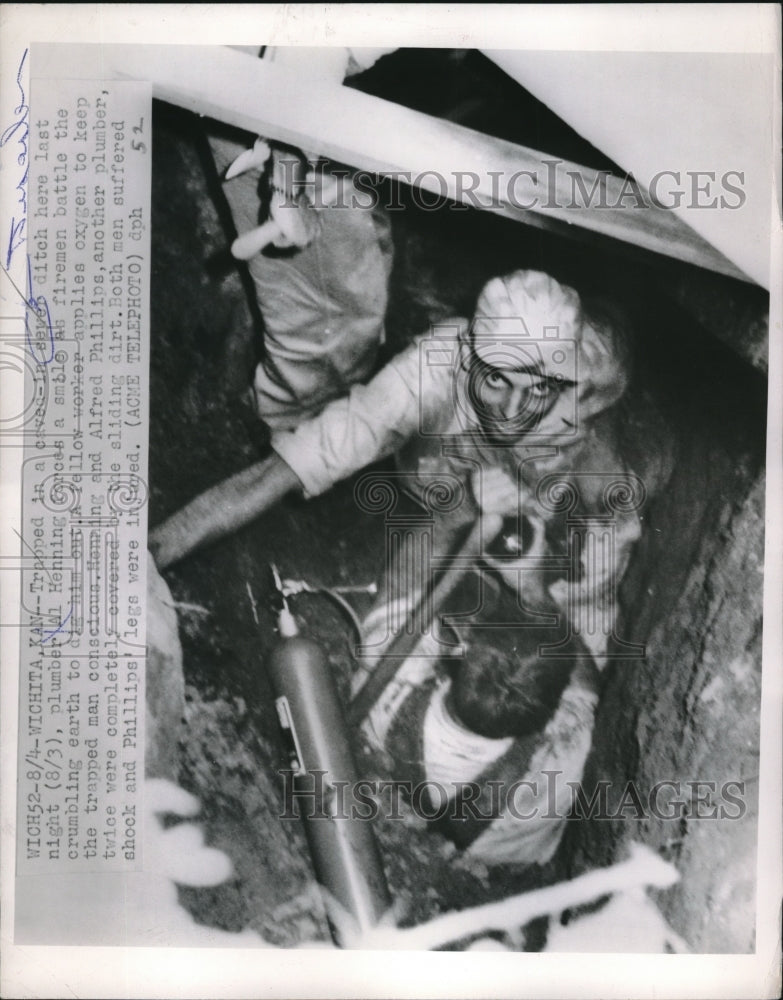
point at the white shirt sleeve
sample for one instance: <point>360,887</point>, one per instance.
<point>368,424</point>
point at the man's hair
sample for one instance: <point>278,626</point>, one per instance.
<point>503,687</point>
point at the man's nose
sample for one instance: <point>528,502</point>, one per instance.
<point>513,403</point>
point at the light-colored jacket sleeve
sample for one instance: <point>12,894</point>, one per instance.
<point>368,424</point>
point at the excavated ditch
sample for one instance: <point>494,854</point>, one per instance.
<point>697,406</point>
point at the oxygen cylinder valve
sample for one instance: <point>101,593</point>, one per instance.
<point>286,623</point>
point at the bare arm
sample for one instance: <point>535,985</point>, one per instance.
<point>222,509</point>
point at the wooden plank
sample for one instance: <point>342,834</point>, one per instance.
<point>378,136</point>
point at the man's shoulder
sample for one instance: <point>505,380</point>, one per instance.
<point>437,352</point>
<point>451,328</point>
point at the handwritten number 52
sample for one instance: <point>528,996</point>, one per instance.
<point>137,143</point>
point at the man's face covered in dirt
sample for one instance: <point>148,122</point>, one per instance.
<point>537,368</point>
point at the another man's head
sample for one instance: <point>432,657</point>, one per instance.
<point>538,366</point>
<point>504,687</point>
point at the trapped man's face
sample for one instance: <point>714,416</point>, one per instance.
<point>523,396</point>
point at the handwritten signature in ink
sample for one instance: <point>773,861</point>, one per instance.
<point>18,130</point>
<point>47,634</point>
<point>39,307</point>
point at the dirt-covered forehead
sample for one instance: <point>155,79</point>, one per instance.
<point>527,321</point>
<point>510,347</point>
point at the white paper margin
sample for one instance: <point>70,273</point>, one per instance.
<point>162,972</point>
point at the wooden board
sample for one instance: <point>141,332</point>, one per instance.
<point>371,134</point>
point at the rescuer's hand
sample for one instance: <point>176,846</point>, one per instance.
<point>518,574</point>
<point>495,492</point>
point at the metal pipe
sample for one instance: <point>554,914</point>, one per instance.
<point>486,526</point>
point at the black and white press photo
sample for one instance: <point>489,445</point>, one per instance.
<point>392,439</point>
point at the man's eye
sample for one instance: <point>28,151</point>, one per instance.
<point>539,390</point>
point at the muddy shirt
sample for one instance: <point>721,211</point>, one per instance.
<point>323,305</point>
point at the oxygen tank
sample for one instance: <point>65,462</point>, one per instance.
<point>345,854</point>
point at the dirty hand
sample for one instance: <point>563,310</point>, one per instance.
<point>530,584</point>
<point>496,492</point>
